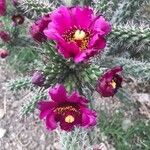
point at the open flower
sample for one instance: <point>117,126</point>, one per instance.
<point>78,32</point>
<point>110,82</point>
<point>2,7</point>
<point>68,110</point>
<point>37,28</point>
<point>18,19</point>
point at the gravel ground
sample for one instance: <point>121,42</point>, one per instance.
<point>15,133</point>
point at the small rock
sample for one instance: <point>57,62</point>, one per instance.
<point>2,132</point>
<point>42,138</point>
<point>2,113</point>
<point>103,136</point>
<point>15,104</point>
<point>57,146</point>
<point>126,124</point>
<point>101,146</point>
<point>143,97</point>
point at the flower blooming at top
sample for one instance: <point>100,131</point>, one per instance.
<point>79,34</point>
<point>67,110</point>
<point>3,53</point>
<point>37,28</point>
<point>2,7</point>
<point>18,19</point>
<point>38,78</point>
<point>5,36</point>
<point>110,82</point>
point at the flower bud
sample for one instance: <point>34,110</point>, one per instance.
<point>3,53</point>
<point>38,78</point>
<point>18,19</point>
<point>5,36</point>
<point>2,7</point>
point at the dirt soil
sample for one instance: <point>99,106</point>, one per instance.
<point>15,133</point>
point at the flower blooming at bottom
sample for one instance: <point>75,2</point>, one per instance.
<point>79,34</point>
<point>67,110</point>
<point>110,82</point>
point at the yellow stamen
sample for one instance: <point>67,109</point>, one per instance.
<point>79,35</point>
<point>69,119</point>
<point>113,83</point>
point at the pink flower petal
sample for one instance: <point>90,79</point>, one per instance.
<point>58,93</point>
<point>76,98</point>
<point>80,57</point>
<point>62,19</point>
<point>45,105</point>
<point>68,49</point>
<point>85,120</point>
<point>51,124</point>
<point>82,16</point>
<point>102,26</point>
<point>44,113</point>
<point>88,117</point>
<point>51,33</point>
<point>66,126</point>
<point>98,42</point>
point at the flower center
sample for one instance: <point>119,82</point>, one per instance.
<point>18,19</point>
<point>79,35</point>
<point>69,119</point>
<point>113,84</point>
<point>62,110</point>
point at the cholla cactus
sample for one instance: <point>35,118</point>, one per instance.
<point>77,52</point>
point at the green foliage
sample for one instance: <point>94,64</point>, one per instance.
<point>106,7</point>
<point>78,139</point>
<point>21,47</point>
<point>135,137</point>
<point>130,39</point>
<point>22,59</point>
<point>125,11</point>
<point>31,103</point>
<point>35,8</point>
<point>20,84</point>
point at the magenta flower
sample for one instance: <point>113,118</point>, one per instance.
<point>110,82</point>
<point>2,7</point>
<point>18,19</point>
<point>5,36</point>
<point>37,28</point>
<point>3,53</point>
<point>68,110</point>
<point>38,78</point>
<point>78,32</point>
